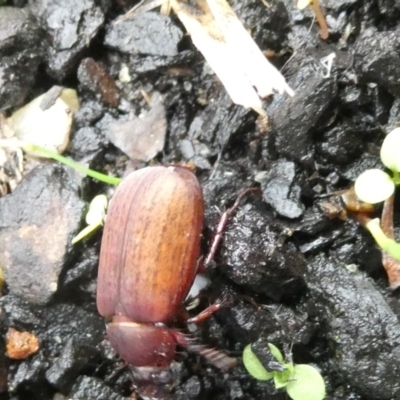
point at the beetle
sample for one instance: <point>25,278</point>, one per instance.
<point>149,258</point>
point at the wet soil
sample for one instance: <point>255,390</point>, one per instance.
<point>308,283</point>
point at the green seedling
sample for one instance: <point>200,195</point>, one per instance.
<point>38,151</point>
<point>374,186</point>
<point>387,244</point>
<point>97,207</point>
<point>301,382</point>
<point>35,150</point>
<point>94,217</point>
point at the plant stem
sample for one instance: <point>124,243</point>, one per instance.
<point>391,264</point>
<point>396,177</point>
<point>111,180</point>
<point>321,20</point>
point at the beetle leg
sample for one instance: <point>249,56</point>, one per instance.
<point>216,357</point>
<point>223,222</point>
<point>210,310</point>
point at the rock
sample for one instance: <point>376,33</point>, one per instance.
<point>394,117</point>
<point>86,143</point>
<point>141,138</point>
<point>140,64</point>
<point>18,312</point>
<point>149,33</point>
<point>281,191</point>
<point>92,388</point>
<point>377,58</point>
<point>363,330</point>
<point>337,5</point>
<point>21,50</point>
<point>37,223</point>
<point>75,357</point>
<point>90,112</point>
<point>71,26</point>
<point>252,256</point>
<point>271,33</point>
<point>342,144</point>
<point>82,279</point>
<point>31,373</point>
<point>366,161</point>
<point>389,9</point>
<point>293,121</point>
<point>214,127</point>
<point>191,389</point>
<point>67,348</point>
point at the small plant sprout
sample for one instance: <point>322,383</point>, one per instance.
<point>390,155</point>
<point>94,217</point>
<point>302,381</point>
<point>34,150</point>
<point>374,186</point>
<point>38,151</point>
<point>97,207</point>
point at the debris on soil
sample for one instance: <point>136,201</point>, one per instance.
<point>231,52</point>
<point>11,168</point>
<point>21,345</point>
<point>46,122</point>
<point>97,79</point>
<point>280,189</point>
<point>141,138</point>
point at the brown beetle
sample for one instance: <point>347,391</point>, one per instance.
<point>148,262</point>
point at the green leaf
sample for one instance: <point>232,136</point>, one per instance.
<point>36,151</point>
<point>97,210</point>
<point>390,154</point>
<point>94,217</point>
<point>374,186</point>
<point>281,379</point>
<point>306,384</point>
<point>84,233</point>
<point>302,4</point>
<point>254,366</point>
<point>276,353</point>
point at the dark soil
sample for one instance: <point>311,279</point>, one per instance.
<point>318,282</point>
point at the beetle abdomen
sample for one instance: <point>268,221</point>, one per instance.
<point>150,244</point>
